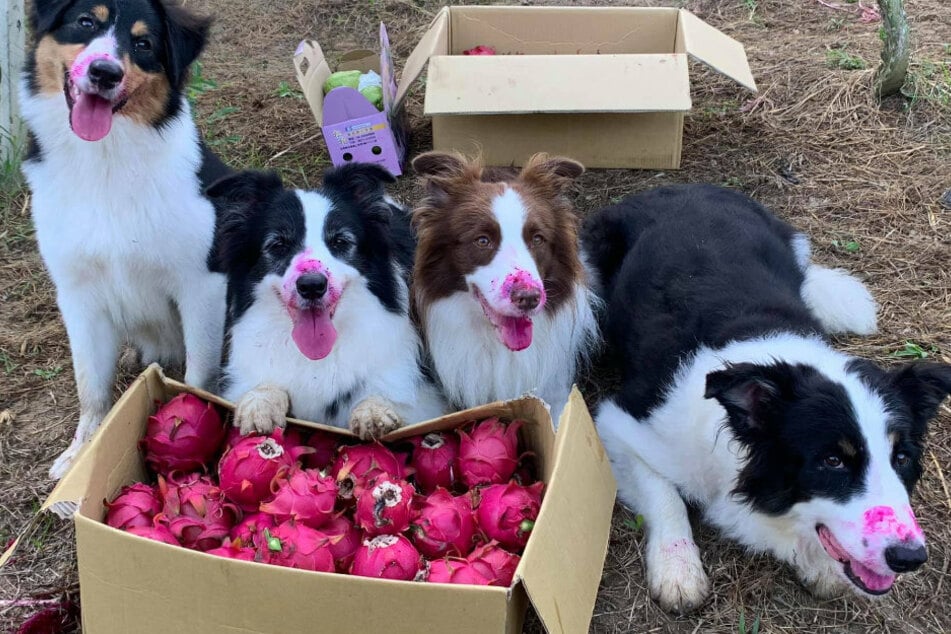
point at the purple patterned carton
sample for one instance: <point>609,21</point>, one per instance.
<point>353,128</point>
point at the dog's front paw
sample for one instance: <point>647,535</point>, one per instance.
<point>373,417</point>
<point>261,410</point>
<point>676,577</point>
<point>65,460</point>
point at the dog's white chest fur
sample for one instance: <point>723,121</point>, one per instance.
<point>475,368</point>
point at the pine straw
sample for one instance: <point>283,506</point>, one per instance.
<point>812,144</point>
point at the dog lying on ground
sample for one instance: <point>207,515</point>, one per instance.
<point>732,399</point>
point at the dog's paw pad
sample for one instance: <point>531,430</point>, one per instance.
<point>374,417</point>
<point>261,410</point>
<point>676,577</point>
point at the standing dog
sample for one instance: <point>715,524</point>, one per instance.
<point>499,284</point>
<point>732,399</point>
<point>318,303</point>
<point>116,168</point>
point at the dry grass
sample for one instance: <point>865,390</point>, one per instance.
<point>864,180</point>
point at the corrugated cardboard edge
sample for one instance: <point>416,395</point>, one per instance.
<point>312,78</point>
<point>716,49</point>
<point>563,562</point>
<point>434,42</point>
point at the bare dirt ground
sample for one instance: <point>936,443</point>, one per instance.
<point>865,180</point>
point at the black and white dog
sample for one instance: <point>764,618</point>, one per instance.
<point>732,399</point>
<point>116,168</point>
<point>318,303</point>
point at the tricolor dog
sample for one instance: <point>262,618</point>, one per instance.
<point>732,399</point>
<point>116,168</point>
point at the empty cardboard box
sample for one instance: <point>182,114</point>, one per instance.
<point>606,86</point>
<point>132,584</point>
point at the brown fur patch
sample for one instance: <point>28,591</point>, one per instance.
<point>147,94</point>
<point>52,61</point>
<point>847,448</point>
<point>457,212</point>
<point>140,28</point>
<point>101,12</point>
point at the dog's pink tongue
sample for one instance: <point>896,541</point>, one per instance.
<point>91,117</point>
<point>314,333</point>
<point>516,332</point>
<point>872,580</point>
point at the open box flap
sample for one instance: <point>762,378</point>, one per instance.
<point>519,84</point>
<point>715,49</point>
<point>312,71</point>
<point>434,42</point>
<point>563,561</point>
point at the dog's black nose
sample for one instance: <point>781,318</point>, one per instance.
<point>312,285</point>
<point>903,558</point>
<point>526,298</point>
<point>105,74</point>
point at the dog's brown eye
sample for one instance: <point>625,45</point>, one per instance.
<point>537,239</point>
<point>483,242</point>
<point>86,21</point>
<point>832,461</point>
<point>143,45</point>
<point>901,459</point>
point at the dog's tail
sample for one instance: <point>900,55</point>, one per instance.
<point>836,298</point>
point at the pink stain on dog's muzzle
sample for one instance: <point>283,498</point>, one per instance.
<point>91,103</point>
<point>881,522</point>
<point>526,294</point>
<point>313,331</point>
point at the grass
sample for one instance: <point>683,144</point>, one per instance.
<point>48,373</point>
<point>751,6</point>
<point>741,626</point>
<point>912,350</point>
<point>849,246</point>
<point>285,91</point>
<point>841,59</point>
<point>929,81</point>
<point>199,84</point>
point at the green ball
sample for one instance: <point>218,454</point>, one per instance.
<point>374,94</point>
<point>350,78</point>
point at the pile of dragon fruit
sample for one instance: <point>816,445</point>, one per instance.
<point>444,507</point>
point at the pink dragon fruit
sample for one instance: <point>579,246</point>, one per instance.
<point>489,454</point>
<point>344,541</point>
<point>325,448</point>
<point>305,496</point>
<point>234,550</point>
<point>250,530</point>
<point>197,512</point>
<point>507,512</point>
<point>495,563</point>
<point>157,531</point>
<point>247,469</point>
<point>356,465</point>
<point>444,525</point>
<point>135,506</point>
<point>481,49</point>
<point>294,545</point>
<point>385,507</point>
<point>183,435</point>
<point>387,557</point>
<point>434,459</point>
<point>449,570</point>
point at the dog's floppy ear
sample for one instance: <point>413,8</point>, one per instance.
<point>186,35</point>
<point>238,198</point>
<point>45,13</point>
<point>552,174</point>
<point>443,172</point>
<point>749,393</point>
<point>923,386</point>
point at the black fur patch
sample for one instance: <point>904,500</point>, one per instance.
<point>688,266</point>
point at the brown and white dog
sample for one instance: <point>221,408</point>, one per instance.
<point>500,287</point>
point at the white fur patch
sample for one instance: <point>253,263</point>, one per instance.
<point>839,301</point>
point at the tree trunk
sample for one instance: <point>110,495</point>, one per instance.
<point>896,48</point>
